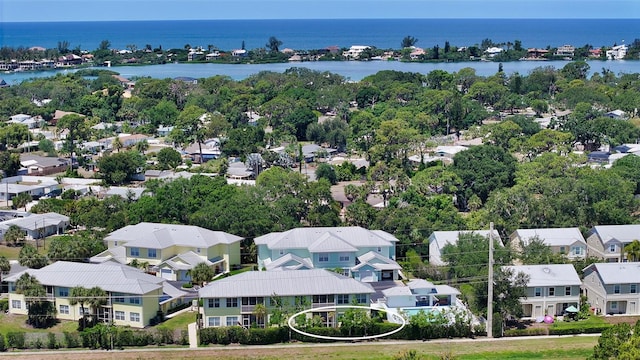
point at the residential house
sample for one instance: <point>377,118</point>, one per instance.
<point>133,298</point>
<point>565,241</point>
<point>551,289</point>
<point>366,255</point>
<point>612,288</point>
<point>37,226</point>
<point>171,250</point>
<point>535,54</point>
<point>566,51</point>
<point>617,114</point>
<point>607,241</point>
<point>41,165</point>
<point>32,122</point>
<point>58,114</point>
<point>35,186</point>
<point>493,51</point>
<point>600,157</point>
<point>446,153</point>
<point>617,52</point>
<point>232,301</point>
<point>355,51</point>
<point>439,239</point>
<point>164,130</point>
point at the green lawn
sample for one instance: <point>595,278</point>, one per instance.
<point>591,320</point>
<point>179,322</point>
<point>12,252</point>
<point>12,322</point>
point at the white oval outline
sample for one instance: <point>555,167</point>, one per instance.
<point>292,317</point>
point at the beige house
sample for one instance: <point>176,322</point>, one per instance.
<point>171,250</point>
<point>565,241</point>
<point>612,288</point>
<point>133,298</point>
<point>607,242</point>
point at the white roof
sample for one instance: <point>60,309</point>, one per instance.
<point>617,273</point>
<point>376,261</point>
<point>420,284</point>
<point>108,276</point>
<point>443,238</point>
<point>343,239</point>
<point>289,261</point>
<point>37,221</point>
<point>548,275</point>
<point>552,237</point>
<point>160,236</point>
<point>622,233</point>
<point>284,283</point>
<point>185,261</point>
<point>117,254</point>
<point>451,149</point>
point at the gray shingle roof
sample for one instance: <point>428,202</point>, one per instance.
<point>305,238</point>
<point>549,275</point>
<point>284,283</point>
<point>108,276</point>
<point>160,236</point>
<point>617,273</point>
<point>552,237</point>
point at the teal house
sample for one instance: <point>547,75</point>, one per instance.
<point>365,255</point>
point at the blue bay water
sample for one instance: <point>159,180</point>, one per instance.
<point>317,34</point>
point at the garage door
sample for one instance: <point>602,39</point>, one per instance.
<point>368,276</point>
<point>167,274</point>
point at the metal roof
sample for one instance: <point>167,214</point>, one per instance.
<point>617,273</point>
<point>108,276</point>
<point>622,233</point>
<point>305,238</point>
<point>443,238</point>
<point>548,275</point>
<point>552,237</point>
<point>284,283</point>
<point>160,236</point>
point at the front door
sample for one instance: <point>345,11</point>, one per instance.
<point>632,307</point>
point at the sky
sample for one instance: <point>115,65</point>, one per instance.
<point>114,10</point>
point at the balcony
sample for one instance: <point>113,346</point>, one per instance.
<point>247,308</point>
<point>319,305</point>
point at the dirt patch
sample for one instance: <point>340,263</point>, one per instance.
<point>614,320</point>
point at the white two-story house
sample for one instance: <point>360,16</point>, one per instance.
<point>613,288</point>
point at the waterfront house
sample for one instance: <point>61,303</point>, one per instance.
<point>551,289</point>
<point>133,298</point>
<point>617,52</point>
<point>366,255</point>
<point>171,250</point>
<point>233,300</point>
<point>439,239</point>
<point>355,51</point>
<point>612,288</point>
<point>566,51</point>
<point>607,242</point>
<point>565,241</point>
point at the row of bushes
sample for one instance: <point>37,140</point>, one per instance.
<point>273,335</point>
<point>577,329</point>
<point>99,336</point>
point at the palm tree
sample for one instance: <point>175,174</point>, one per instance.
<point>116,144</point>
<point>41,311</point>
<point>21,200</point>
<point>5,266</point>
<point>260,312</point>
<point>633,250</point>
<point>201,273</point>
<point>93,298</point>
<point>142,146</point>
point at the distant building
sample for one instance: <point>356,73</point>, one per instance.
<point>617,52</point>
<point>565,51</point>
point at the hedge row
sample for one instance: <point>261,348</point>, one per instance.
<point>590,329</point>
<point>526,332</point>
<point>273,335</point>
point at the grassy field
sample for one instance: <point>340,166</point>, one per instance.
<point>179,322</point>
<point>568,348</point>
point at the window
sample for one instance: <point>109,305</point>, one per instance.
<point>214,303</point>
<point>151,253</point>
<point>63,291</point>
<point>64,309</point>
<point>614,305</point>
<point>537,291</point>
<point>134,300</point>
<point>552,291</point>
<point>252,300</point>
<point>16,304</point>
<point>119,315</point>
<point>633,288</point>
<point>85,312</point>
<point>567,290</point>
<point>134,316</point>
<point>577,250</point>
<point>232,302</point>
<point>563,250</point>
<point>198,250</point>
<point>232,320</point>
<point>323,257</point>
<point>612,248</point>
<point>379,249</point>
<point>135,251</point>
<point>344,257</point>
<point>281,252</point>
<point>118,298</point>
<point>214,321</point>
<point>342,299</point>
<point>115,243</point>
<point>361,298</point>
<point>616,289</point>
<point>322,299</point>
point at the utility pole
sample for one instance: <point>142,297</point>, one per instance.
<point>489,325</point>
